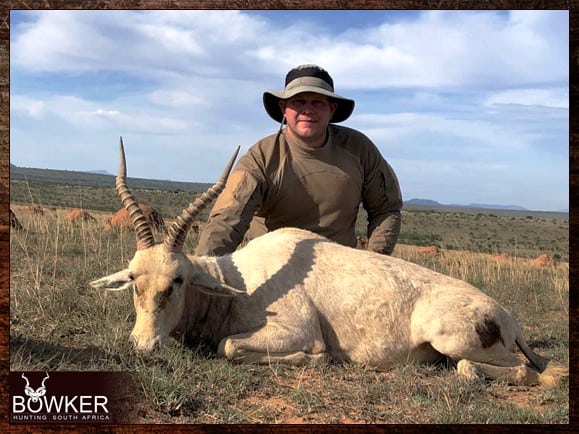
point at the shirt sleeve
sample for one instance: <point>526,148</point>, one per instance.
<point>382,200</point>
<point>232,213</point>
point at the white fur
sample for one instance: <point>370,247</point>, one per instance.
<point>306,298</point>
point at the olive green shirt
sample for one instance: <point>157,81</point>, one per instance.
<point>279,183</point>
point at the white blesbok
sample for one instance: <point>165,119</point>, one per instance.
<point>293,296</point>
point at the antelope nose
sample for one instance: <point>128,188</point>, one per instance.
<point>145,345</point>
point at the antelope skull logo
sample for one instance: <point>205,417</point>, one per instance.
<point>35,395</point>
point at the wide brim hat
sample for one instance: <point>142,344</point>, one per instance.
<point>307,78</point>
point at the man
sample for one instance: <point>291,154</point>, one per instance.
<point>311,174</point>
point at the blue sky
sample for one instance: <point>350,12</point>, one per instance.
<point>467,106</point>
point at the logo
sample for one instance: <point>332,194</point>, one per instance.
<point>64,397</point>
<point>35,395</point>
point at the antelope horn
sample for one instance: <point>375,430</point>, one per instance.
<point>142,228</point>
<point>178,231</point>
<point>27,383</point>
<point>45,378</point>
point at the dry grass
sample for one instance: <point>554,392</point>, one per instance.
<point>59,323</point>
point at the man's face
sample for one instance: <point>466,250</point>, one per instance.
<point>308,115</point>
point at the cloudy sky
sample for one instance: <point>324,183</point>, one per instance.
<point>467,106</point>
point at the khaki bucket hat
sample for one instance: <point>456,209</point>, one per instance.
<point>307,78</point>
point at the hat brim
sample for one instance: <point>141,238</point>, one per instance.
<point>271,102</point>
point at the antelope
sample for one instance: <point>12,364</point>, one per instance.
<point>292,296</point>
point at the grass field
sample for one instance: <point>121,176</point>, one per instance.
<point>58,323</point>
<point>518,233</point>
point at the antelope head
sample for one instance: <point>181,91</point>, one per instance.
<point>160,273</point>
<point>33,394</point>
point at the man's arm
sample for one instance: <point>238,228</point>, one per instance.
<point>382,200</point>
<point>230,217</point>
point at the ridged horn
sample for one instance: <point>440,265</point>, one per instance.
<point>142,227</point>
<point>178,231</point>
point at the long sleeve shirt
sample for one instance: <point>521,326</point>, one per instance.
<point>278,183</point>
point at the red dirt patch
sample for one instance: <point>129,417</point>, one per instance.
<point>78,215</point>
<point>33,209</point>
<point>543,261</point>
<point>428,251</point>
<point>121,218</point>
<point>502,257</point>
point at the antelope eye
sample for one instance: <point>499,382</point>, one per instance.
<point>178,280</point>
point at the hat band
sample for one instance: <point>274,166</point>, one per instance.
<point>308,81</point>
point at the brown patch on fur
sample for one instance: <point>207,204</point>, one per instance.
<point>489,332</point>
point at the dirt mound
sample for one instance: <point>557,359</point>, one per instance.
<point>121,219</point>
<point>543,261</point>
<point>502,257</point>
<point>33,209</point>
<point>79,215</point>
<point>428,250</point>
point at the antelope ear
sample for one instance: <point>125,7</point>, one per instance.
<point>210,285</point>
<point>118,281</point>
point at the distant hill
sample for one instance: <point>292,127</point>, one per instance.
<point>69,177</point>
<point>422,202</point>
<point>100,172</point>
<point>433,203</point>
<point>485,205</point>
<point>101,178</point>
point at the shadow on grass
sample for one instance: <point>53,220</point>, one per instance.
<point>47,355</point>
<point>38,355</point>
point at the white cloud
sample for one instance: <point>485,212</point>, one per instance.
<point>531,97</point>
<point>453,49</point>
<point>158,43</point>
<point>58,42</point>
<point>439,48</point>
<point>449,96</point>
<point>107,113</point>
<point>86,115</point>
<point>30,107</point>
<point>176,98</point>
<point>464,134</point>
